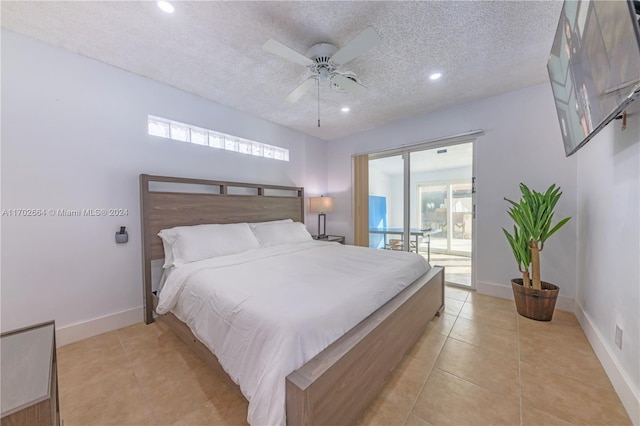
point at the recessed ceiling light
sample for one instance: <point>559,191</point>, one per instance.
<point>435,76</point>
<point>165,6</point>
<point>345,109</point>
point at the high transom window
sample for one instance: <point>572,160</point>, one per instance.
<point>187,133</point>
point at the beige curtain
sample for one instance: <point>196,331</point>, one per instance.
<point>361,200</point>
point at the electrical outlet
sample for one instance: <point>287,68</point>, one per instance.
<point>618,337</point>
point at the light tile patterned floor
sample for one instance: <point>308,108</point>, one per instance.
<point>478,364</point>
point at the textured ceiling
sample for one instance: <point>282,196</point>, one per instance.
<point>214,49</point>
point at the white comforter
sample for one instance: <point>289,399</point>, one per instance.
<point>266,312</point>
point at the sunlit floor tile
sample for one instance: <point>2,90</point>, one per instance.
<point>112,398</point>
<point>213,413</point>
<point>383,413</point>
<point>91,359</point>
<point>442,324</point>
<point>452,306</point>
<point>498,373</point>
<point>485,335</point>
<point>450,400</point>
<point>427,348</point>
<point>494,302</point>
<point>456,293</point>
<point>534,417</point>
<point>490,314</point>
<point>141,342</point>
<point>175,391</point>
<point>566,331</point>
<point>413,420</point>
<point>569,399</point>
<point>570,358</point>
<point>406,383</point>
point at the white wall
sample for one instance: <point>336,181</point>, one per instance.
<point>609,252</point>
<point>396,203</point>
<point>379,183</point>
<point>522,143</point>
<point>74,135</point>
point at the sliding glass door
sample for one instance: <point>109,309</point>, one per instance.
<point>441,188</point>
<point>422,200</point>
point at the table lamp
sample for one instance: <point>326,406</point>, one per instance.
<point>321,205</point>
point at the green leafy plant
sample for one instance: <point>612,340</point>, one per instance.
<point>520,246</point>
<point>532,217</point>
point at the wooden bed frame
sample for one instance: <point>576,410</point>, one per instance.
<point>338,384</point>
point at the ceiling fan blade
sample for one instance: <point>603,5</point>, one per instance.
<point>348,84</point>
<point>283,51</point>
<point>301,90</point>
<point>364,41</point>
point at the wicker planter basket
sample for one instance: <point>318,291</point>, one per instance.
<point>535,304</point>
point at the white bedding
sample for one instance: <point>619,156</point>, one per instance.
<point>266,312</point>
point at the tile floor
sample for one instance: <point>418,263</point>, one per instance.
<point>478,364</point>
<point>457,268</point>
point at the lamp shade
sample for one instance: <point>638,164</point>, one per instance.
<point>321,204</point>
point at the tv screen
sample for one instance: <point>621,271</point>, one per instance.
<point>594,66</point>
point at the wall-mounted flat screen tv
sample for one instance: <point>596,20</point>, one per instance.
<point>594,66</point>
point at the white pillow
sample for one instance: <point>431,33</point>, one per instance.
<point>168,253</point>
<point>254,224</point>
<point>193,243</point>
<point>282,233</point>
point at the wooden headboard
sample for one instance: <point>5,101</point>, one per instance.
<point>167,202</point>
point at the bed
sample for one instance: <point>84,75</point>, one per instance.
<point>336,385</point>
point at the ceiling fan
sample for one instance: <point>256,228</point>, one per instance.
<point>323,60</point>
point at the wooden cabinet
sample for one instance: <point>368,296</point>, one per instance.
<point>29,378</point>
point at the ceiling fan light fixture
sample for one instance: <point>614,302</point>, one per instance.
<point>435,76</point>
<point>324,74</point>
<point>321,52</point>
<point>165,6</point>
<point>323,59</point>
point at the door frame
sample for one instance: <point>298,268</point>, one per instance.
<point>404,152</point>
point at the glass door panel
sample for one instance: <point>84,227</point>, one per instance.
<point>386,203</point>
<point>433,200</point>
<point>440,184</point>
<point>461,218</point>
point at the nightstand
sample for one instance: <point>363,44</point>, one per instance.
<point>331,238</point>
<point>29,376</point>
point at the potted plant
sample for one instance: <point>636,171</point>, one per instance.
<point>532,217</point>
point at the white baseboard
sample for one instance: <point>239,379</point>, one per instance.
<point>563,303</point>
<point>73,333</point>
<point>629,396</point>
